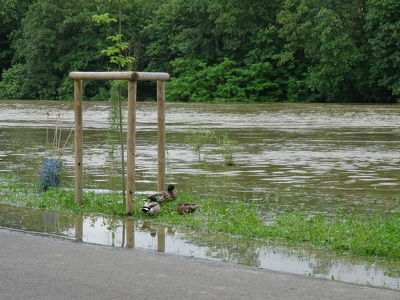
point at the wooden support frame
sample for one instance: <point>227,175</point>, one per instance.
<point>132,78</point>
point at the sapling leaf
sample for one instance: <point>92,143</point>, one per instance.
<point>104,18</point>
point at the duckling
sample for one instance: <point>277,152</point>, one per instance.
<point>151,207</point>
<point>163,196</point>
<point>184,208</point>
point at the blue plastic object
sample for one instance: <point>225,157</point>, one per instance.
<point>50,174</point>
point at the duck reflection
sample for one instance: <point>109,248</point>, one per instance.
<point>157,231</point>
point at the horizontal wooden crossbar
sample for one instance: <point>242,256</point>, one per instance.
<point>131,75</point>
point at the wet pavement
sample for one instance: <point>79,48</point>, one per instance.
<point>40,267</point>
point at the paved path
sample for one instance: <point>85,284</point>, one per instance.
<point>37,267</point>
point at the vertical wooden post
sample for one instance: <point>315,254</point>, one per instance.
<point>161,134</point>
<point>78,141</point>
<point>131,137</point>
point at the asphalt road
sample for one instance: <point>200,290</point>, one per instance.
<point>42,267</point>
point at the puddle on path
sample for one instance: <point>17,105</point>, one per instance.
<point>153,237</point>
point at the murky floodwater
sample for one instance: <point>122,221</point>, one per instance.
<point>287,156</point>
<point>312,155</point>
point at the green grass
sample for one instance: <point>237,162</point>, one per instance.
<point>376,234</point>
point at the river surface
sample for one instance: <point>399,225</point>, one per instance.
<point>313,157</point>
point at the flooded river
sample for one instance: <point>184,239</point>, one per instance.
<point>313,157</point>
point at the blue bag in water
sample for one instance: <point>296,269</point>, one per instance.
<point>50,174</point>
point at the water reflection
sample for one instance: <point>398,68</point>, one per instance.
<point>145,235</point>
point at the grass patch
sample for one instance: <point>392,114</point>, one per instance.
<point>375,234</point>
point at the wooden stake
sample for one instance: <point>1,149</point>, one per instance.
<point>161,134</point>
<point>131,137</point>
<point>78,142</point>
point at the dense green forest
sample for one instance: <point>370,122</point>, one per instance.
<point>215,50</point>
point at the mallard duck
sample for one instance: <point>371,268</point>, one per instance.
<point>184,208</point>
<point>162,197</point>
<point>152,208</point>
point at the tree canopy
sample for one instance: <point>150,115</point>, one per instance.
<point>215,50</point>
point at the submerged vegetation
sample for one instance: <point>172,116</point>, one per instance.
<point>199,137</point>
<point>375,234</point>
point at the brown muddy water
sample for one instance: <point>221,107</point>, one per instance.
<point>313,157</point>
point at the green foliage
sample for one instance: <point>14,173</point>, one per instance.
<point>66,90</point>
<point>220,50</point>
<point>115,114</point>
<point>179,29</point>
<point>56,199</point>
<point>242,29</point>
<point>226,148</point>
<point>58,37</point>
<point>326,36</point>
<point>11,14</point>
<point>116,51</point>
<point>383,35</point>
<point>298,90</point>
<point>102,95</point>
<point>223,82</point>
<point>375,235</point>
<point>332,73</point>
<point>199,137</point>
<point>50,47</point>
<point>104,18</point>
<point>11,81</point>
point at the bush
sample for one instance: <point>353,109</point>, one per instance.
<point>10,84</point>
<point>194,81</point>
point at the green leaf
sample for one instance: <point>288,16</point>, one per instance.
<point>104,18</point>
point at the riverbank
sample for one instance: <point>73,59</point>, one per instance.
<point>358,234</point>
